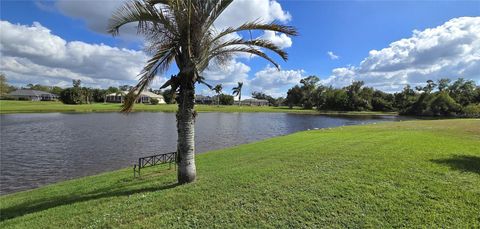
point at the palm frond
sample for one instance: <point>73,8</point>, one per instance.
<point>157,64</point>
<point>216,11</point>
<point>256,42</point>
<point>243,50</point>
<point>201,80</point>
<point>146,15</point>
<point>257,25</point>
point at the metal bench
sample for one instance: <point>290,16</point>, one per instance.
<point>155,160</point>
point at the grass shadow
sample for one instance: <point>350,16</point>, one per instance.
<point>463,163</point>
<point>38,205</point>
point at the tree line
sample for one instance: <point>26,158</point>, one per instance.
<point>441,98</point>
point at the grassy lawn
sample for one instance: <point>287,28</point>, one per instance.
<point>402,174</point>
<point>8,106</point>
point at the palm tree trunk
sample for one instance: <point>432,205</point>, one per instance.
<point>240,98</point>
<point>186,134</point>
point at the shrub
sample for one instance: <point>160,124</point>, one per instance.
<point>226,99</point>
<point>6,97</point>
<point>154,101</point>
<point>472,111</point>
<point>72,95</point>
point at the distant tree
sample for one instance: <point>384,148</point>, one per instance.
<point>294,96</point>
<point>259,95</point>
<point>444,105</point>
<point>336,99</point>
<point>238,91</point>
<point>154,101</point>
<point>39,87</point>
<point>471,111</point>
<point>111,90</point>
<point>169,96</point>
<point>319,96</point>
<point>56,90</point>
<point>87,94</point>
<point>358,98</point>
<point>443,84</point>
<point>76,83</point>
<point>477,95</point>
<point>218,89</point>
<point>272,101</point>
<point>99,95</point>
<point>125,88</point>
<point>382,101</point>
<point>73,95</point>
<point>5,88</point>
<point>280,101</point>
<point>225,99</point>
<point>309,84</point>
<point>427,88</point>
<point>463,91</point>
<point>404,99</point>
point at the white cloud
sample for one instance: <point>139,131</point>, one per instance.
<point>96,16</point>
<point>450,50</point>
<point>228,74</point>
<point>269,80</point>
<point>242,11</point>
<point>97,13</point>
<point>281,40</point>
<point>32,54</point>
<point>332,55</point>
<point>275,82</point>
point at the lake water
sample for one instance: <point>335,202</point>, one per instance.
<point>39,149</point>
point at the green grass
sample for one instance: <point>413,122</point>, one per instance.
<point>400,174</point>
<point>9,106</point>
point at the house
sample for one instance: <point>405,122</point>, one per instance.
<point>202,99</point>
<point>254,102</point>
<point>32,95</point>
<point>145,97</point>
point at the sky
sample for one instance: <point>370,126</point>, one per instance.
<point>387,44</point>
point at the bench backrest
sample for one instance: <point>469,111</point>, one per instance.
<point>156,159</point>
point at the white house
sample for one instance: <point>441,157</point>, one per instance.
<point>33,95</point>
<point>254,102</point>
<point>145,97</point>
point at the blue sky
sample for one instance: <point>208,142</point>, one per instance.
<point>348,29</point>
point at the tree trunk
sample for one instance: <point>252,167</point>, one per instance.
<point>240,98</point>
<point>186,133</point>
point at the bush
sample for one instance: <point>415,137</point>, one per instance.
<point>154,101</point>
<point>72,95</point>
<point>6,97</point>
<point>472,111</point>
<point>226,99</point>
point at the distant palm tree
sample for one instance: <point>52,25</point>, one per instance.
<point>238,91</point>
<point>218,89</point>
<point>183,32</point>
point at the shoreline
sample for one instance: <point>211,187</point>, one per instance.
<point>26,107</point>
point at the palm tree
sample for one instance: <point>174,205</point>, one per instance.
<point>238,91</point>
<point>183,32</point>
<point>218,89</point>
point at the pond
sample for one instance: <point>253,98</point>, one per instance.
<point>40,149</point>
